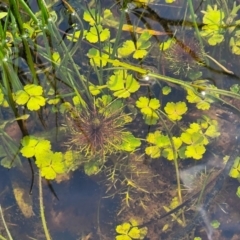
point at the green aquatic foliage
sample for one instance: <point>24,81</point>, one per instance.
<point>166,90</point>
<point>148,108</point>
<point>161,145</point>
<point>138,49</point>
<point>95,55</point>
<point>100,129</point>
<point>213,28</point>
<point>202,96</point>
<point>235,170</point>
<point>130,230</point>
<point>49,163</point>
<point>3,101</point>
<point>122,84</point>
<point>215,224</point>
<point>92,17</point>
<point>238,192</point>
<point>175,110</point>
<point>32,96</point>
<point>97,34</point>
<point>190,144</point>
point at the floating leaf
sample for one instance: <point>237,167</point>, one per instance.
<point>91,168</point>
<point>33,146</point>
<point>123,228</point>
<point>148,108</point>
<point>130,143</point>
<point>95,59</point>
<point>139,49</point>
<point>92,17</point>
<point>238,192</point>
<point>97,34</point>
<point>195,151</point>
<point>122,84</point>
<point>32,96</point>
<point>213,28</point>
<point>175,110</point>
<point>166,90</point>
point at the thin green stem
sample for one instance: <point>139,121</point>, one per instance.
<point>44,223</point>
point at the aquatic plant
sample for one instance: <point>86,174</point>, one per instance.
<point>130,230</point>
<point>99,130</point>
<point>184,56</point>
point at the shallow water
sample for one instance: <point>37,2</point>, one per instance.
<point>103,186</point>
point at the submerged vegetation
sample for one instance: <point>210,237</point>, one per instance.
<point>116,89</point>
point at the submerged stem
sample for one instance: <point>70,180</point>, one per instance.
<point>42,214</point>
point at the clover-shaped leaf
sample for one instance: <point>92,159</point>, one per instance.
<point>50,164</point>
<point>213,16</point>
<point>130,231</point>
<point>153,151</point>
<point>123,84</point>
<point>235,170</point>
<point>32,96</point>
<point>195,151</point>
<point>175,110</point>
<point>169,151</point>
<point>95,59</point>
<point>33,146</point>
<point>139,49</point>
<point>97,34</point>
<point>123,228</point>
<point>213,28</point>
<point>148,108</point>
<point>202,104</point>
<point>92,17</point>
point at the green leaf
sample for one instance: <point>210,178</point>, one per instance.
<point>92,17</point>
<point>134,233</point>
<point>148,107</point>
<point>123,228</point>
<point>153,151</point>
<point>33,146</point>
<point>213,16</point>
<point>97,34</point>
<point>123,237</point>
<point>122,84</point>
<point>215,224</point>
<point>195,151</point>
<point>213,20</point>
<point>140,50</point>
<point>32,95</point>
<point>51,164</point>
<point>127,49</point>
<point>76,36</point>
<point>166,90</point>
<point>95,59</point>
<point>130,143</point>
<point>91,168</point>
<point>238,192</point>
<point>235,170</point>
<point>175,110</point>
<point>3,14</point>
<point>21,97</point>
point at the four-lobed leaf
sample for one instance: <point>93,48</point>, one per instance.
<point>122,84</point>
<point>175,110</point>
<point>97,34</point>
<point>148,108</point>
<point>139,49</point>
<point>32,96</point>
